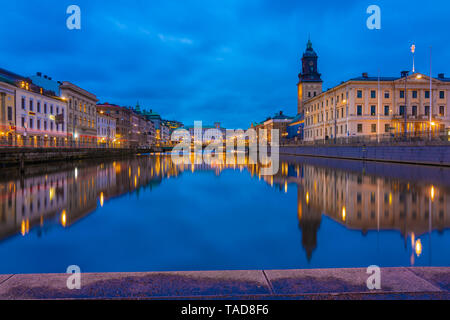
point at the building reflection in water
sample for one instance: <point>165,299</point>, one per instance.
<point>358,199</point>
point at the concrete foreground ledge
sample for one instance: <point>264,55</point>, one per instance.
<point>342,284</point>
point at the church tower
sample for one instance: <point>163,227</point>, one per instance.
<point>310,83</point>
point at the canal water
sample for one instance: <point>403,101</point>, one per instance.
<point>147,214</point>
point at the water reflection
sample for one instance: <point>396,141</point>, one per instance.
<point>367,197</point>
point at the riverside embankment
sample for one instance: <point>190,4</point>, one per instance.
<point>438,155</point>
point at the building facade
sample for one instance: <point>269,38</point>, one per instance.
<point>40,117</point>
<point>106,130</point>
<point>7,111</point>
<point>367,106</point>
<point>123,124</point>
<point>82,114</point>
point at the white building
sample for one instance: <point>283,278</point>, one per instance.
<point>106,129</point>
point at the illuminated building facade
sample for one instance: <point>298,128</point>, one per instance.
<point>7,111</point>
<point>122,116</point>
<point>40,116</point>
<point>106,129</point>
<point>370,106</point>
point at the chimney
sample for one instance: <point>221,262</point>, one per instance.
<point>404,74</point>
<point>441,76</point>
<point>365,75</point>
<point>45,76</point>
<point>39,74</point>
<point>49,78</point>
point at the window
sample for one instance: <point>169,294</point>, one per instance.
<point>51,126</point>
<point>414,110</point>
<point>31,123</point>
<point>373,111</point>
<point>45,125</point>
<point>23,103</point>
<point>386,110</point>
<point>45,108</point>
<point>360,128</point>
<point>359,94</point>
<point>387,128</point>
<point>402,94</point>
<point>38,124</point>
<point>373,94</point>
<point>10,114</point>
<point>51,109</point>
<point>441,94</point>
<point>402,110</point>
<point>38,106</point>
<point>442,111</point>
<point>359,110</point>
<point>414,94</point>
<point>374,128</point>
<point>427,94</point>
<point>23,122</point>
<point>386,95</point>
<point>427,110</point>
<point>31,104</point>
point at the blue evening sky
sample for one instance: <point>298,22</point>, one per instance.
<point>233,61</point>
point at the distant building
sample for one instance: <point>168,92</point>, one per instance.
<point>122,116</point>
<point>82,114</point>
<point>200,134</point>
<point>106,130</point>
<point>172,125</point>
<point>295,128</point>
<point>7,110</point>
<point>279,122</point>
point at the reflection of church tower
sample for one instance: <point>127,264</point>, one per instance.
<point>309,222</point>
<point>310,83</point>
